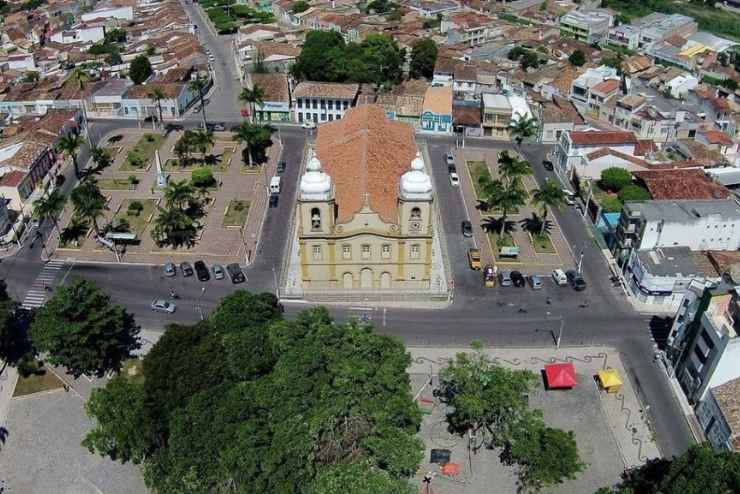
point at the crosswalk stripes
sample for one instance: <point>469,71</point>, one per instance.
<point>36,295</point>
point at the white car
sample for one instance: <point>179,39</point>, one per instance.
<point>450,158</point>
<point>308,125</point>
<point>454,179</point>
<point>161,305</point>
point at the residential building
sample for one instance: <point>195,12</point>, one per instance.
<point>107,99</point>
<point>436,114</point>
<point>124,13</point>
<point>320,102</point>
<point>717,140</point>
<point>699,225</point>
<point>466,118</point>
<point>497,114</point>
<point>468,28</point>
<point>711,352</point>
<point>624,35</point>
<point>719,416</point>
<point>465,81</point>
<point>601,95</point>
<point>585,152</point>
<point>364,213</point>
<point>580,90</point>
<point>558,117</point>
<point>275,105</point>
<point>589,27</point>
<point>137,101</point>
<point>431,8</point>
<point>405,101</point>
<point>660,277</point>
<point>80,33</point>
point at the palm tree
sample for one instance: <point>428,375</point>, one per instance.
<point>506,196</point>
<point>81,77</point>
<point>522,128</point>
<point>252,136</point>
<point>512,168</point>
<point>157,94</point>
<point>198,84</point>
<point>178,194</point>
<point>50,207</point>
<point>88,202</point>
<point>102,160</point>
<point>70,144</point>
<point>202,141</point>
<point>548,196</point>
<point>173,226</point>
<point>252,97</point>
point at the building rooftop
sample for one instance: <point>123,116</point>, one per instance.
<point>728,399</point>
<point>308,89</point>
<point>675,261</point>
<point>438,100</point>
<point>498,101</point>
<point>274,85</point>
<point>685,211</point>
<point>682,184</point>
<point>365,154</point>
<point>602,138</point>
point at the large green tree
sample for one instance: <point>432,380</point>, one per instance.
<point>140,69</point>
<point>88,202</point>
<point>256,140</point>
<point>321,57</point>
<point>12,338</point>
<point>700,470</point>
<point>83,330</point>
<point>70,145</point>
<point>248,402</point>
<point>423,58</point>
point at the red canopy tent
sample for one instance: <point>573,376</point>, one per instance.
<point>560,375</point>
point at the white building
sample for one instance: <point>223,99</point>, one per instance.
<point>320,102</point>
<point>580,89</point>
<point>589,27</point>
<point>124,13</point>
<point>588,152</point>
<point>81,33</point>
<point>661,277</point>
<point>710,358</point>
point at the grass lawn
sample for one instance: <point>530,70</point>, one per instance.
<point>43,381</point>
<point>236,213</point>
<point>477,169</point>
<point>115,184</point>
<point>497,241</point>
<point>138,223</point>
<point>542,244</point>
<point>144,148</point>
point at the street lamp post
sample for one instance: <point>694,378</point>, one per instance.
<point>198,306</point>
<point>559,337</point>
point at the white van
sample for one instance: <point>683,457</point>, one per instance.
<point>559,276</point>
<point>275,185</point>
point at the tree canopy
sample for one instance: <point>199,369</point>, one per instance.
<point>326,57</point>
<point>140,69</point>
<point>248,402</point>
<point>615,179</point>
<point>577,58</point>
<point>82,330</point>
<point>492,403</point>
<point>423,58</point>
<point>699,470</point>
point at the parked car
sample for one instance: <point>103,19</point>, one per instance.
<point>467,229</point>
<point>274,198</point>
<point>474,259</point>
<point>504,277</point>
<point>218,271</point>
<point>235,273</point>
<point>196,109</point>
<point>559,276</point>
<point>308,125</point>
<point>216,127</point>
<point>186,268</point>
<point>547,164</point>
<point>170,270</point>
<point>450,158</point>
<point>161,305</point>
<point>518,279</point>
<point>576,280</point>
<point>281,167</point>
<point>454,179</point>
<point>536,282</point>
<point>170,127</point>
<point>570,197</point>
<point>201,271</point>
<point>151,118</point>
<point>451,169</point>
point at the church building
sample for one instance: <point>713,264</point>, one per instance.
<point>364,212</point>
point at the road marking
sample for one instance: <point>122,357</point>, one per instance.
<point>36,295</point>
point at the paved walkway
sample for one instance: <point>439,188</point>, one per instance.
<point>8,380</point>
<point>623,411</point>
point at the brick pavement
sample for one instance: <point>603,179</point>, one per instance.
<point>216,244</point>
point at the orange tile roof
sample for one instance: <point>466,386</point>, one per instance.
<point>12,179</point>
<point>438,100</point>
<point>682,184</point>
<point>714,136</point>
<point>308,89</point>
<point>606,87</point>
<point>603,138</point>
<point>365,154</point>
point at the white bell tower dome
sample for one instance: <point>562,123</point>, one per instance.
<point>415,183</point>
<point>315,184</point>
